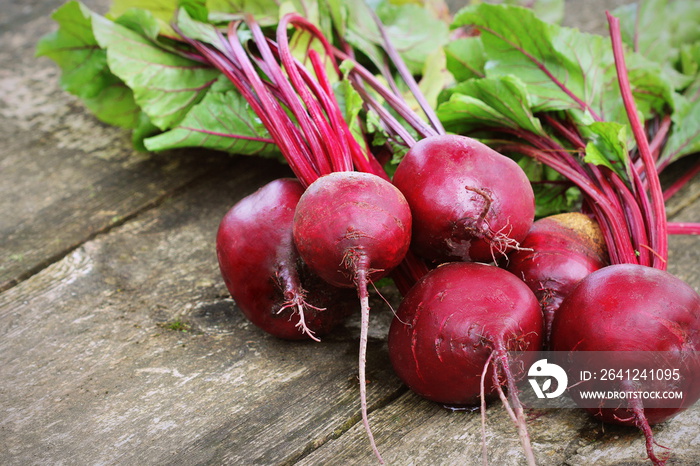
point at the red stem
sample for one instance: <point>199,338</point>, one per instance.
<point>618,239</point>
<point>321,90</point>
<point>660,136</point>
<point>335,150</point>
<point>289,85</point>
<point>408,77</point>
<point>302,23</point>
<point>276,120</point>
<point>228,135</point>
<point>682,181</point>
<point>635,219</point>
<point>657,218</point>
<point>683,228</point>
<point>570,134</point>
<point>594,184</point>
<point>348,146</point>
<point>266,98</point>
<point>392,99</point>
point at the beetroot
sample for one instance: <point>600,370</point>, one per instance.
<point>557,253</point>
<point>631,309</point>
<point>454,330</point>
<point>263,272</point>
<point>347,222</point>
<point>468,202</point>
<point>352,228</point>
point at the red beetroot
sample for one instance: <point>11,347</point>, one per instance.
<point>351,221</point>
<point>632,309</point>
<point>557,253</point>
<point>459,321</point>
<point>469,202</point>
<point>263,272</point>
<point>352,228</point>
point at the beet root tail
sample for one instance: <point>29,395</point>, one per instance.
<point>641,421</point>
<point>361,283</point>
<point>512,403</point>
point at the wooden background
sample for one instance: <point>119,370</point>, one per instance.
<point>103,251</point>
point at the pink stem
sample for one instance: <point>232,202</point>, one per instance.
<point>392,99</point>
<point>408,77</point>
<point>660,136</point>
<point>291,99</point>
<point>619,246</point>
<point>657,219</point>
<point>333,146</point>
<point>635,219</point>
<point>683,228</point>
<point>276,120</point>
<point>682,181</point>
<point>229,135</point>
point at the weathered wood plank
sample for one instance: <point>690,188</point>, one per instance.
<point>415,431</point>
<point>64,176</point>
<point>91,374</point>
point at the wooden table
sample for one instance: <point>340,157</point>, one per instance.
<point>119,343</point>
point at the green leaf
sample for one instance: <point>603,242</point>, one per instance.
<point>463,114</point>
<point>115,105</point>
<point>144,129</point>
<point>607,146</point>
<point>163,11</point>
<point>350,103</point>
<point>197,9</point>
<point>690,65</point>
<point>685,134</point>
<point>413,32</point>
<point>84,67</point>
<point>165,85</point>
<point>690,59</point>
<point>338,13</point>
<point>199,30</point>
<point>563,68</point>
<point>140,21</point>
<point>411,28</point>
<point>549,59</point>
<point>223,120</point>
<point>640,27</point>
<point>74,49</point>
<point>499,101</point>
<point>465,58</point>
<point>434,78</point>
<point>266,12</point>
<point>653,92</point>
<point>551,11</point>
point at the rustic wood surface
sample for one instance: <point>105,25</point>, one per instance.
<point>119,343</point>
